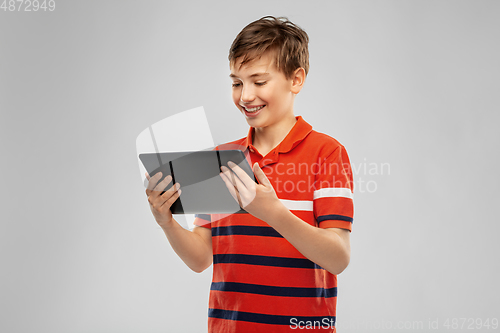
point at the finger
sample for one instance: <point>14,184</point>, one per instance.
<point>163,184</point>
<point>146,181</point>
<point>160,196</point>
<point>155,188</point>
<point>152,182</point>
<point>242,175</point>
<point>231,188</point>
<point>246,186</point>
<point>171,195</point>
<point>238,195</point>
<point>240,187</point>
<point>261,176</point>
<point>174,197</point>
<point>160,200</point>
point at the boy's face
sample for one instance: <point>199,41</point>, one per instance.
<point>262,93</point>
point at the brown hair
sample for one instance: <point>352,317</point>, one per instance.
<point>287,40</point>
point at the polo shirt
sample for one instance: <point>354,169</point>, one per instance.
<point>261,283</point>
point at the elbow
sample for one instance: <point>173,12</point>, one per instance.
<point>341,269</point>
<point>198,269</point>
<point>201,267</point>
<point>339,265</point>
<point>341,253</point>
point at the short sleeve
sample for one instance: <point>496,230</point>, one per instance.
<point>333,192</point>
<point>202,220</point>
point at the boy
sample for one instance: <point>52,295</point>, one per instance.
<point>274,268</point>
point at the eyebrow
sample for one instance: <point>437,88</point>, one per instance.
<point>253,75</point>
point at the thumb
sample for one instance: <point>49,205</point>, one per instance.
<point>261,176</point>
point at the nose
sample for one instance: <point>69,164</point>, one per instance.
<point>247,94</point>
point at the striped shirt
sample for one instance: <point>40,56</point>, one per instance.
<point>261,283</point>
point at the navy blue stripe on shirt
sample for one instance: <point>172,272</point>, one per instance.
<point>260,318</point>
<point>264,261</point>
<point>334,217</point>
<point>245,230</point>
<point>273,290</point>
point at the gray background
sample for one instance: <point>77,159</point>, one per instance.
<point>410,83</point>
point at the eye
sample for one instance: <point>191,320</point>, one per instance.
<point>236,85</point>
<point>261,83</point>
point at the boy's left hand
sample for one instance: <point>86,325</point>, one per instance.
<point>257,199</point>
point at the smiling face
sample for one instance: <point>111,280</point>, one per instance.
<point>262,93</point>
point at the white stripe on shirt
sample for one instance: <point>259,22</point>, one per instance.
<point>333,192</point>
<point>298,204</point>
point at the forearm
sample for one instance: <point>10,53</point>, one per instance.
<point>322,246</point>
<point>189,246</point>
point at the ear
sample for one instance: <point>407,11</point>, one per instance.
<point>298,79</point>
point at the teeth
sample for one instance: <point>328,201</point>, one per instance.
<point>255,109</point>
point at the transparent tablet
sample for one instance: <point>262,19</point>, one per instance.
<point>203,190</point>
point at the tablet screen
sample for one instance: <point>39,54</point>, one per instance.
<point>203,190</point>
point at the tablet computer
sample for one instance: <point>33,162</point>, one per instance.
<point>203,190</point>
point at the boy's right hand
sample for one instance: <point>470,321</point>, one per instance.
<point>160,203</point>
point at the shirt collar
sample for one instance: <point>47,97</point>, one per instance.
<point>298,132</point>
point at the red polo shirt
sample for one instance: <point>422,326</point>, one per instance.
<point>261,283</point>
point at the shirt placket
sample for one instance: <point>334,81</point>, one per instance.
<point>271,158</point>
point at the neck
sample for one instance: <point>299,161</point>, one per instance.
<point>267,138</point>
